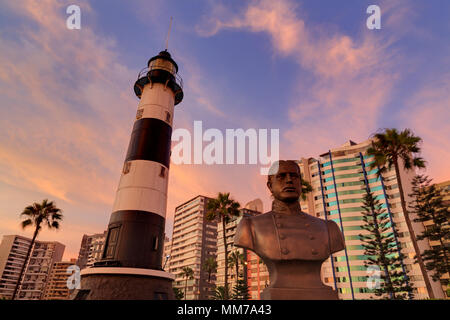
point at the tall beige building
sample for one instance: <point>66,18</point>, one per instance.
<point>194,239</point>
<point>257,273</point>
<point>91,249</point>
<point>338,178</point>
<point>13,250</point>
<point>57,288</point>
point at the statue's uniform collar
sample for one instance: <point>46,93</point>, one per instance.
<point>292,208</point>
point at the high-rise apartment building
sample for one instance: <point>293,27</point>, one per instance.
<point>257,273</point>
<point>194,239</point>
<point>444,187</point>
<point>91,249</point>
<point>13,250</point>
<point>339,179</point>
<point>57,288</point>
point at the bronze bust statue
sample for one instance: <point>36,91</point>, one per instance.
<point>292,244</point>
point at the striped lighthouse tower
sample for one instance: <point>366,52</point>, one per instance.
<point>131,264</point>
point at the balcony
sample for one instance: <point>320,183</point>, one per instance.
<point>160,74</point>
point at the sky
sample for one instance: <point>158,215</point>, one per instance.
<point>311,69</point>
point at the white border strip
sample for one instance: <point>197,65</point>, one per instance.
<point>132,271</point>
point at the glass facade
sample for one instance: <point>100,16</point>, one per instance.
<point>338,191</point>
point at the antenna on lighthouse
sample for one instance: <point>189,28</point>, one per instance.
<point>168,33</point>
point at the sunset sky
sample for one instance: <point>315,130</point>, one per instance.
<point>309,68</point>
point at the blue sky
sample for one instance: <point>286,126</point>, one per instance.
<point>309,68</point>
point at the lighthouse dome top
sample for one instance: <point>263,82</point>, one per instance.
<point>161,69</point>
<point>164,56</point>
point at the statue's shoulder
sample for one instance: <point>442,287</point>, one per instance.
<point>312,218</point>
<point>333,226</point>
<point>260,218</point>
<point>315,220</point>
<point>330,224</point>
<point>245,232</point>
<point>336,236</point>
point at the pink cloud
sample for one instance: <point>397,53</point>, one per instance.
<point>67,142</point>
<point>55,147</point>
<point>427,113</point>
<point>64,129</point>
<point>353,78</point>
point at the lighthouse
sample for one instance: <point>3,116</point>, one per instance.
<point>131,263</point>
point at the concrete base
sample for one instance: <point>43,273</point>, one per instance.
<point>326,293</point>
<point>123,286</point>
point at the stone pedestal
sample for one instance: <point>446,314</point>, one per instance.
<point>124,284</point>
<point>325,293</point>
<point>296,280</point>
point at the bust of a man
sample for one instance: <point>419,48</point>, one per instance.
<point>292,244</point>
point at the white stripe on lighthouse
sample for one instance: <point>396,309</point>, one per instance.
<point>156,102</point>
<point>143,188</point>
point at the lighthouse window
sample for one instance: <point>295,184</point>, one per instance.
<point>126,167</point>
<point>162,173</point>
<point>155,243</point>
<point>167,116</point>
<point>112,242</point>
<point>139,113</point>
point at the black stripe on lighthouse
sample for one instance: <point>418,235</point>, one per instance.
<point>135,239</point>
<point>150,140</point>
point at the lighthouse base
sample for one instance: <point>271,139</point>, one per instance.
<point>124,284</point>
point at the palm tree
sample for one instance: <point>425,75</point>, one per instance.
<point>37,214</point>
<point>178,293</point>
<point>306,188</point>
<point>233,261</point>
<point>388,148</point>
<point>223,208</point>
<point>187,273</point>
<point>210,266</point>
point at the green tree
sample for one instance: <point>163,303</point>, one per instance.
<point>427,203</point>
<point>188,274</point>
<point>179,295</point>
<point>233,261</point>
<point>380,247</point>
<point>223,208</point>
<point>241,291</point>
<point>306,188</point>
<point>38,215</point>
<point>220,293</point>
<point>390,149</point>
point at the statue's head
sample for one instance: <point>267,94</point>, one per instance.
<point>284,180</point>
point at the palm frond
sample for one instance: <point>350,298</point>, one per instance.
<point>26,223</point>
